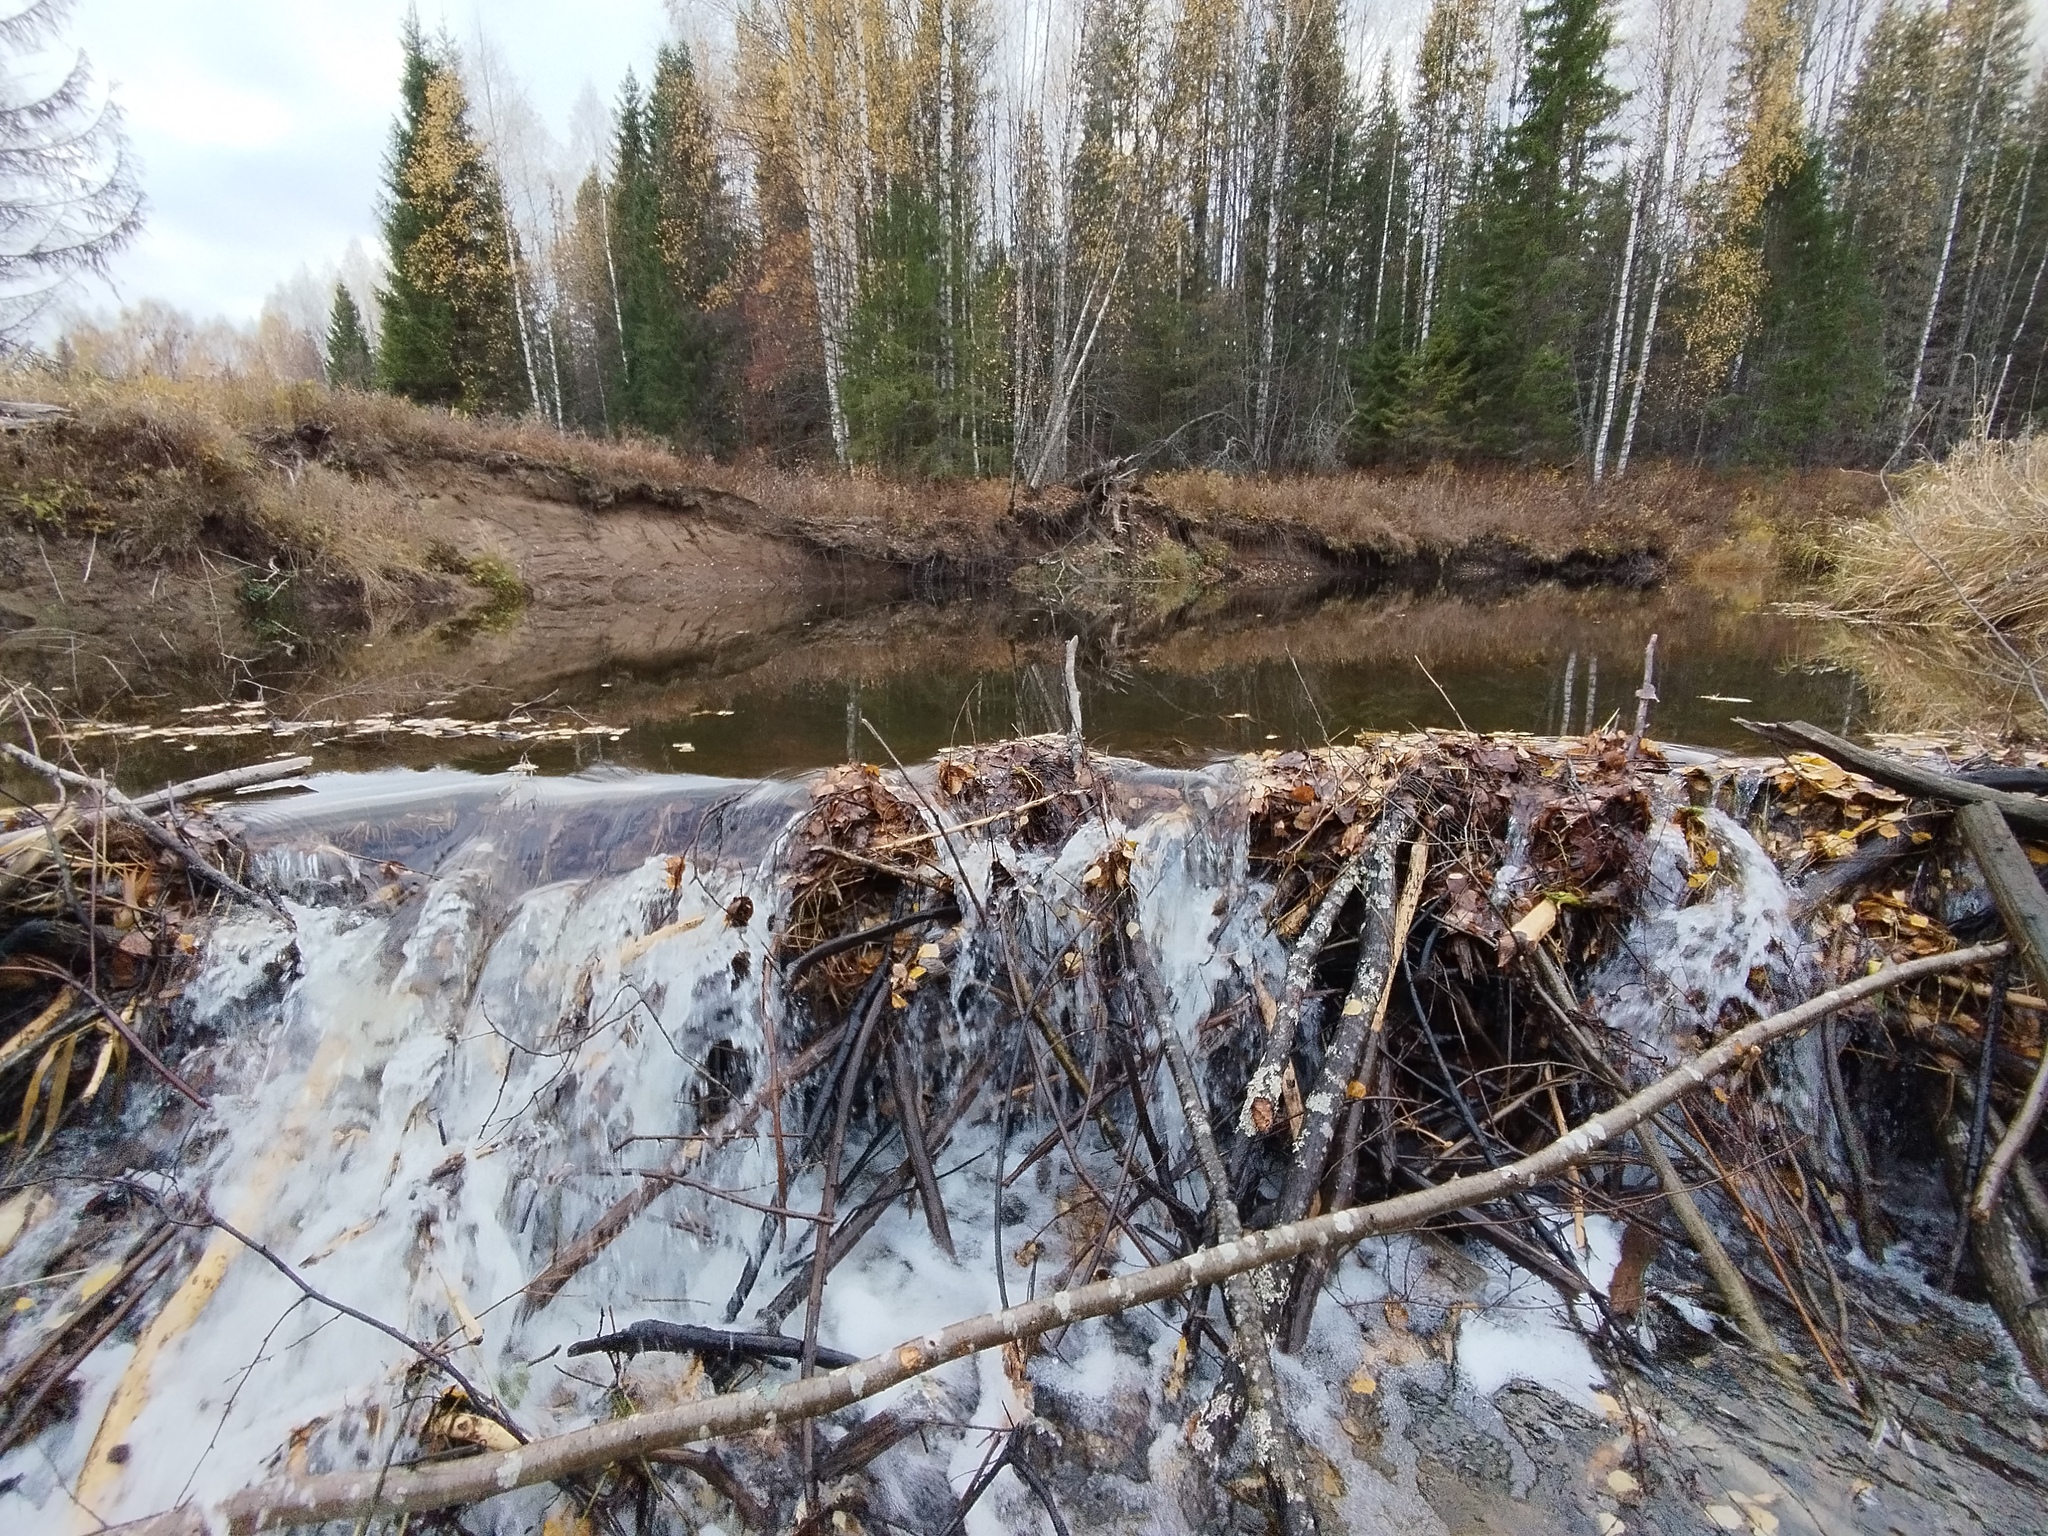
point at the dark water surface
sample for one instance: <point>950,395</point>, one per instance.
<point>1257,671</point>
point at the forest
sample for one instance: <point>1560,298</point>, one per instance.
<point>955,239</point>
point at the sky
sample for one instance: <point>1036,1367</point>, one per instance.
<point>260,125</point>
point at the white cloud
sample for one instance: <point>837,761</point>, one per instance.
<point>261,125</point>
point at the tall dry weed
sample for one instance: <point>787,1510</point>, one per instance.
<point>1947,592</point>
<point>1963,547</point>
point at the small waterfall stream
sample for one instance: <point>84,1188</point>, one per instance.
<point>500,1005</point>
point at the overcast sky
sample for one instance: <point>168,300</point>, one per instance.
<point>261,125</point>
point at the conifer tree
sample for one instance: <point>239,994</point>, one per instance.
<point>1812,371</point>
<point>449,335</point>
<point>349,364</point>
<point>1526,289</point>
<point>655,390</point>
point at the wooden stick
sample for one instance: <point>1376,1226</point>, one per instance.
<point>221,783</point>
<point>910,1117</point>
<point>143,823</point>
<point>358,1494</point>
<point>1077,746</point>
<point>1735,1291</point>
<point>1645,697</point>
<point>1272,1436</point>
<point>2002,1262</point>
<point>1263,1088</point>
<point>2024,906</point>
<point>1381,939</point>
<point>1883,768</point>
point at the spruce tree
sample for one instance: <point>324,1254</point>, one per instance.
<point>655,392</point>
<point>1526,289</point>
<point>673,233</point>
<point>450,334</point>
<point>349,363</point>
<point>1813,374</point>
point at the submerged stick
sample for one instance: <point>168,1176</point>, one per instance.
<point>359,1494</point>
<point>1734,1289</point>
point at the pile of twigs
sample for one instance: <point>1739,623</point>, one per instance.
<point>1444,907</point>
<point>1447,899</point>
<point>101,901</point>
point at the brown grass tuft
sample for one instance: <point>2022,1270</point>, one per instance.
<point>1947,592</point>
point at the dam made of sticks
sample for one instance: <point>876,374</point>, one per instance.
<point>1436,1132</point>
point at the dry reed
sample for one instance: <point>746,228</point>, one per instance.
<point>1947,592</point>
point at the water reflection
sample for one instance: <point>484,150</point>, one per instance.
<point>1261,670</point>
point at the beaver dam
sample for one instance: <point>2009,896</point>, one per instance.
<point>1441,1132</point>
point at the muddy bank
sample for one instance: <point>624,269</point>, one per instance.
<point>182,540</point>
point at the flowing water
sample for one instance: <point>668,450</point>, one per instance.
<point>499,1001</point>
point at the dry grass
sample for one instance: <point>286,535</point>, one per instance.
<point>315,480</point>
<point>161,473</point>
<point>1963,547</point>
<point>1947,592</point>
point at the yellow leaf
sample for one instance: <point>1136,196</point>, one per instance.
<point>1621,1484</point>
<point>1363,1382</point>
<point>1177,1372</point>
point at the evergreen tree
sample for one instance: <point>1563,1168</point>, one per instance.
<point>349,365</point>
<point>1526,287</point>
<point>1813,373</point>
<point>450,336</point>
<point>657,390</point>
<point>673,235</point>
<point>700,239</point>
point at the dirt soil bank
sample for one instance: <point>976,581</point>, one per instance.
<point>167,538</point>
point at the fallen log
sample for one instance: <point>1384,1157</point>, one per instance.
<point>2002,1261</point>
<point>1907,778</point>
<point>360,1494</point>
<point>2024,906</point>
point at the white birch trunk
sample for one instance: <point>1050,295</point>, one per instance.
<point>1620,345</point>
<point>1269,307</point>
<point>1948,245</point>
